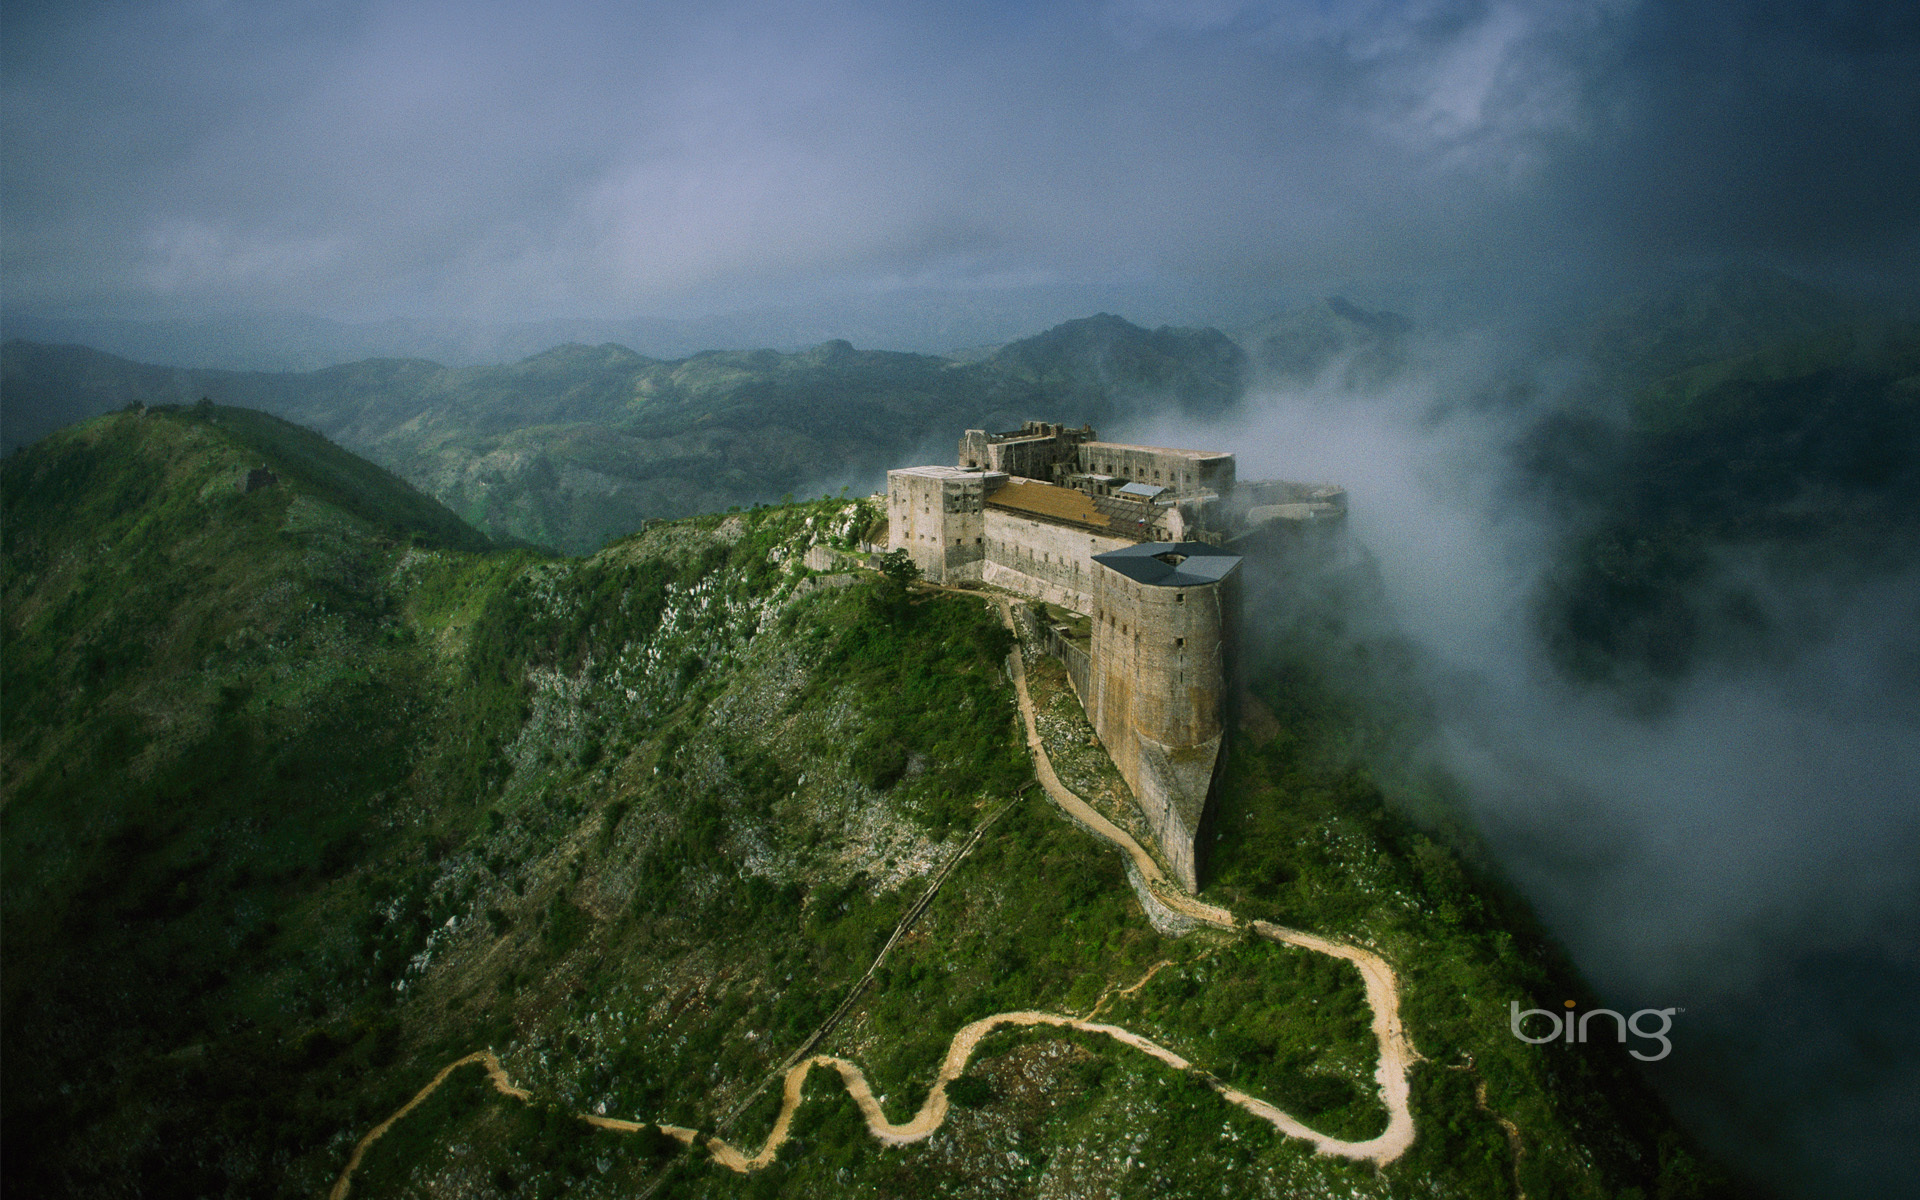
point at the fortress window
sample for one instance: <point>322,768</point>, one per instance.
<point>1179,642</point>
<point>1179,597</point>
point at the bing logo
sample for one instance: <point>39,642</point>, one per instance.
<point>1566,1028</point>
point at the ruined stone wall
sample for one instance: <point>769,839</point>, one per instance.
<point>1161,681</point>
<point>1075,656</point>
<point>1043,560</point>
<point>975,449</point>
<point>1031,453</point>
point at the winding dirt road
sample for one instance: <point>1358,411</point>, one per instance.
<point>1397,1054</point>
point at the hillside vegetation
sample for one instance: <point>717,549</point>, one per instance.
<point>307,796</point>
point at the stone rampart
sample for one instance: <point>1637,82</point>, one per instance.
<point>1160,682</point>
<point>1156,675</point>
<point>1041,559</point>
<point>937,515</point>
<point>1182,470</point>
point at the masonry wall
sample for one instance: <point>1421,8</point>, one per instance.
<point>1160,683</point>
<point>1043,560</point>
<point>1145,464</point>
<point>1075,656</point>
<point>938,520</point>
<point>1031,453</point>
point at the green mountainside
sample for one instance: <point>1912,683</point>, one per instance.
<point>581,444</point>
<point>1730,480</point>
<point>1720,314</point>
<point>308,795</point>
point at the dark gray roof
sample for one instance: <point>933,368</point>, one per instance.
<point>1171,564</point>
<point>1148,490</point>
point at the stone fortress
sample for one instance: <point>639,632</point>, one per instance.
<point>1144,543</point>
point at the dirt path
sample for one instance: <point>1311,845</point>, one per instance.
<point>1397,1054</point>
<point>495,1072</point>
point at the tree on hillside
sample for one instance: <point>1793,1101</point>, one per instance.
<point>897,570</point>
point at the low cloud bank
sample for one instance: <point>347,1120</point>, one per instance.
<point>1735,854</point>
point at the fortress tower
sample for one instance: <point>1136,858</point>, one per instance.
<point>936,514</point>
<point>1164,624</point>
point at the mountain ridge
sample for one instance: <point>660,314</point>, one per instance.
<point>577,445</point>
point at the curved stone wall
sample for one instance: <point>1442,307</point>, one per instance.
<point>1161,683</point>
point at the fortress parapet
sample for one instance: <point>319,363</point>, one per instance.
<point>937,515</point>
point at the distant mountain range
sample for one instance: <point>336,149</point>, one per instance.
<point>580,444</point>
<point>924,320</point>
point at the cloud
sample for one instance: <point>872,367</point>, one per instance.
<point>1748,854</point>
<point>595,159</point>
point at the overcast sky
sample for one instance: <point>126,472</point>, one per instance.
<point>514,160</point>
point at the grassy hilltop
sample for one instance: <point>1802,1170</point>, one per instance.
<point>310,792</point>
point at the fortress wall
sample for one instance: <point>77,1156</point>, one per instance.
<point>935,514</point>
<point>1160,680</point>
<point>1076,658</point>
<point>974,448</point>
<point>1029,458</point>
<point>1043,560</point>
<point>1030,454</point>
<point>1184,470</point>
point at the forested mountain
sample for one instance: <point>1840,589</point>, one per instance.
<point>1335,341</point>
<point>1698,504</point>
<point>309,795</point>
<point>578,445</point>
<point>1714,315</point>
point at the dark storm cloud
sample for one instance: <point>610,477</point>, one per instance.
<point>513,160</point>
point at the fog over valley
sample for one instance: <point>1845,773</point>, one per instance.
<point>1740,844</point>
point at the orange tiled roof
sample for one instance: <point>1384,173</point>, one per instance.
<point>1047,500</point>
<point>1060,504</point>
